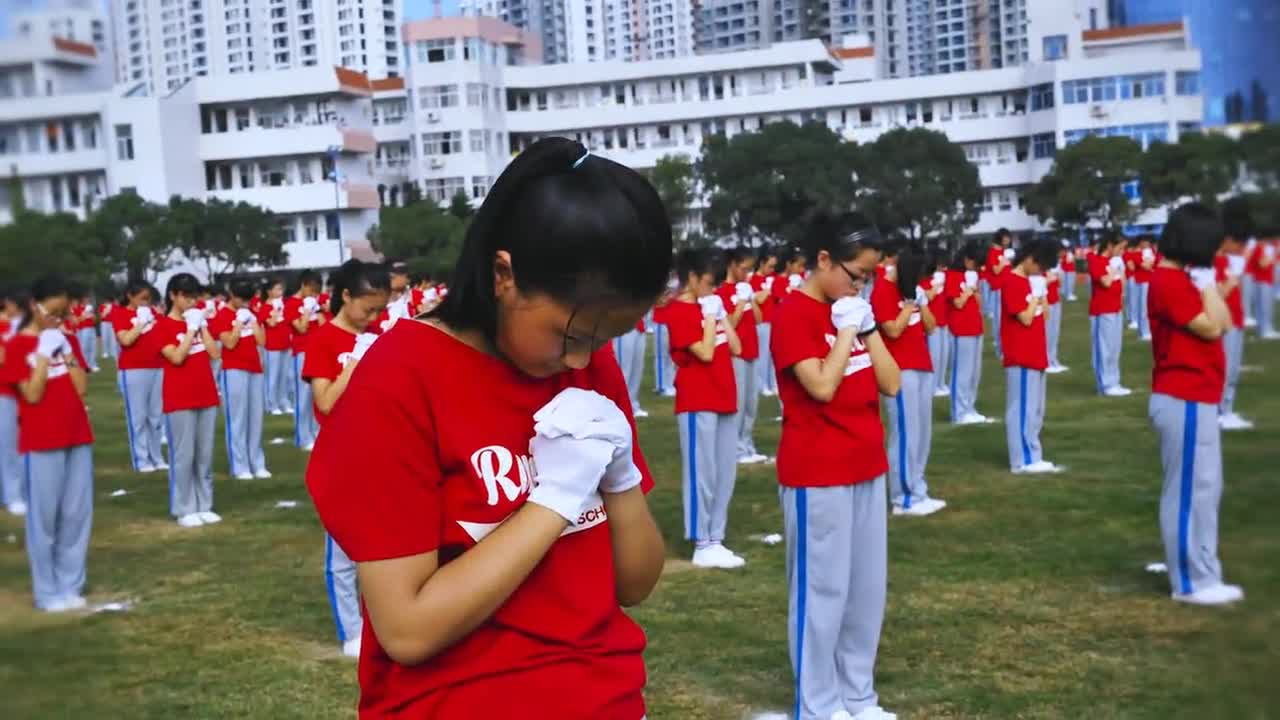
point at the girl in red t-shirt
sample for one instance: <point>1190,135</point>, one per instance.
<point>934,282</point>
<point>481,468</point>
<point>965,324</point>
<point>277,350</point>
<point>357,297</point>
<point>1067,262</point>
<point>1188,319</point>
<point>1231,266</point>
<point>832,368</point>
<point>664,370</point>
<point>190,402</point>
<point>141,379</point>
<point>742,303</point>
<point>241,337</point>
<point>703,344</point>
<point>762,281</point>
<point>11,471</point>
<point>1024,301</point>
<point>57,442</point>
<point>1106,321</point>
<point>902,311</point>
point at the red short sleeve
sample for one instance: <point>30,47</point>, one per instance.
<point>121,321</point>
<point>684,320</point>
<point>221,323</point>
<point>794,341</point>
<point>884,301</point>
<point>374,475</point>
<point>322,361</point>
<point>1182,302</point>
<point>1013,301</point>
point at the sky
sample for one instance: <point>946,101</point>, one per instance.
<point>413,10</point>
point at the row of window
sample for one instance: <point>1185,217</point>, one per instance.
<point>473,50</point>
<point>1144,133</point>
<point>1115,87</point>
<point>51,137</point>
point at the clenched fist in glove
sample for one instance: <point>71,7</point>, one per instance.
<point>1204,278</point>
<point>853,312</point>
<point>795,280</point>
<point>363,342</point>
<point>1039,286</point>
<point>587,414</point>
<point>578,436</point>
<point>742,292</point>
<point>144,316</point>
<point>712,307</point>
<point>971,279</point>
<point>311,305</point>
<point>244,316</point>
<point>922,297</point>
<point>51,344</point>
<point>194,319</point>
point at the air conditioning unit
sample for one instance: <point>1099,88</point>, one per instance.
<point>1097,111</point>
<point>433,117</point>
<point>436,163</point>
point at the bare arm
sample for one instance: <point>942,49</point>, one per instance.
<point>895,327</point>
<point>735,343</point>
<point>1028,314</point>
<point>705,349</point>
<point>888,375</point>
<point>128,337</point>
<point>231,338</point>
<point>79,380</point>
<point>963,300</point>
<point>821,377</point>
<point>210,346</point>
<point>33,387</point>
<point>638,550</point>
<point>930,322</point>
<point>326,392</point>
<point>1214,322</point>
<point>418,609</point>
<point>177,354</point>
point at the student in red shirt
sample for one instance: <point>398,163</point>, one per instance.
<point>1106,324</point>
<point>832,368</point>
<point>934,283</point>
<point>1053,314</point>
<point>762,285</point>
<point>1144,262</point>
<point>1230,264</point>
<point>359,295</point>
<point>302,312</point>
<point>703,344</point>
<point>278,344</point>
<point>1262,268</point>
<point>107,345</point>
<point>742,305</point>
<point>999,257</point>
<point>1188,320</point>
<point>494,554</point>
<point>241,335</point>
<point>12,475</point>
<point>664,370</point>
<point>57,442</point>
<point>1067,262</point>
<point>965,324</point>
<point>902,311</point>
<point>1024,301</point>
<point>190,402</point>
<point>85,321</point>
<point>141,379</point>
<point>629,350</point>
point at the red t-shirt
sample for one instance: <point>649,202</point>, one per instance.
<point>1024,345</point>
<point>1054,280</point>
<point>78,316</point>
<point>964,321</point>
<point>746,327</point>
<point>141,355</point>
<point>1103,300</point>
<point>1265,275</point>
<point>279,336</point>
<point>292,311</point>
<point>76,350</point>
<point>189,386</point>
<point>911,348</point>
<point>244,356</point>
<point>994,255</point>
<point>1233,299</point>
<point>1067,260</point>
<point>939,305</point>
<point>700,387</point>
<point>759,283</point>
<point>327,353</point>
<point>104,312</point>
<point>660,314</point>
<point>59,420</point>
<point>1141,274</point>
<point>781,288</point>
<point>1186,367</point>
<point>451,461</point>
<point>824,444</point>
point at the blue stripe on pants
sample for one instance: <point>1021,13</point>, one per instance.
<point>657,345</point>
<point>128,416</point>
<point>955,354</point>
<point>693,476</point>
<point>902,452</point>
<point>328,581</point>
<point>168,431</point>
<point>226,421</point>
<point>1184,499</point>
<point>802,581</point>
<point>1022,416</point>
<point>1095,321</point>
<point>297,407</point>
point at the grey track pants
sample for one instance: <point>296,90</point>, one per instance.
<point>910,421</point>
<point>966,373</point>
<point>746,375</point>
<point>144,415</point>
<point>1024,415</point>
<point>191,460</point>
<point>1233,345</point>
<point>59,520</point>
<point>1108,333</point>
<point>344,595</point>
<point>242,399</point>
<point>837,576</point>
<point>1191,455</point>
<point>709,469</point>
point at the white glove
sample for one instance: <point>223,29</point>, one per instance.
<point>971,278</point>
<point>1039,286</point>
<point>210,310</point>
<point>768,284</point>
<point>1269,251</point>
<point>51,343</point>
<point>584,414</point>
<point>1116,266</point>
<point>890,272</point>
<point>1148,254</point>
<point>922,297</point>
<point>363,342</point>
<point>1009,254</point>
<point>398,309</point>
<point>712,306</point>
<point>939,280</point>
<point>742,292</point>
<point>853,312</point>
<point>244,316</point>
<point>1204,278</point>
<point>567,472</point>
<point>144,316</point>
<point>795,280</point>
<point>194,318</point>
<point>1235,265</point>
<point>431,295</point>
<point>278,303</point>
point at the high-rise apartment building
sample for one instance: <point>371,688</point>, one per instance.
<point>574,31</point>
<point>76,20</point>
<point>164,43</point>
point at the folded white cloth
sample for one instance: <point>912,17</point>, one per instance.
<point>144,315</point>
<point>1039,286</point>
<point>712,306</point>
<point>363,342</point>
<point>795,280</point>
<point>1235,265</point>
<point>244,316</point>
<point>1203,278</point>
<point>1148,254</point>
<point>51,343</point>
<point>742,292</point>
<point>311,305</point>
<point>922,297</point>
<point>971,278</point>
<point>583,414</point>
<point>1009,254</point>
<point>194,318</point>
<point>853,312</point>
<point>939,279</point>
<point>1116,265</point>
<point>277,303</point>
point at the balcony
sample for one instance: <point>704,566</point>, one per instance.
<point>57,163</point>
<point>312,197</point>
<point>303,139</point>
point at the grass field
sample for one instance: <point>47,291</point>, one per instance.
<point>1025,598</point>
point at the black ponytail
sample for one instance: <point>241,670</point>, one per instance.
<point>843,235</point>
<point>356,278</point>
<point>578,227</point>
<point>910,268</point>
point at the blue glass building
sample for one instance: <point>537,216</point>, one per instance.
<point>1239,43</point>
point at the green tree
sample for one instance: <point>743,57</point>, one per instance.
<point>224,237</point>
<point>460,205</point>
<point>17,194</point>
<point>1086,184</point>
<point>1261,151</point>
<point>675,177</point>
<point>421,234</point>
<point>761,184</point>
<point>1198,166</point>
<point>35,244</point>
<point>129,234</point>
<point>919,183</point>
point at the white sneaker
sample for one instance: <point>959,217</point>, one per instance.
<point>920,508</point>
<point>1250,322</point>
<point>144,469</point>
<point>1232,421</point>
<point>640,413</point>
<point>974,419</point>
<point>351,648</point>
<point>308,447</point>
<point>1117,391</point>
<point>1133,326</point>
<point>1042,467</point>
<point>942,392</point>
<point>190,521</point>
<point>1213,595</point>
<point>751,459</point>
<point>74,602</point>
<point>277,413</point>
<point>1145,338</point>
<point>1056,369</point>
<point>17,507</point>
<point>875,713</point>
<point>715,556</point>
<point>741,560</point>
<point>669,393</point>
<point>1272,335</point>
<point>262,474</point>
<point>209,518</point>
<point>768,393</point>
<point>162,465</point>
<point>57,606</point>
<point>245,476</point>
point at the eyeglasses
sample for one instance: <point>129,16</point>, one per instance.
<point>855,279</point>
